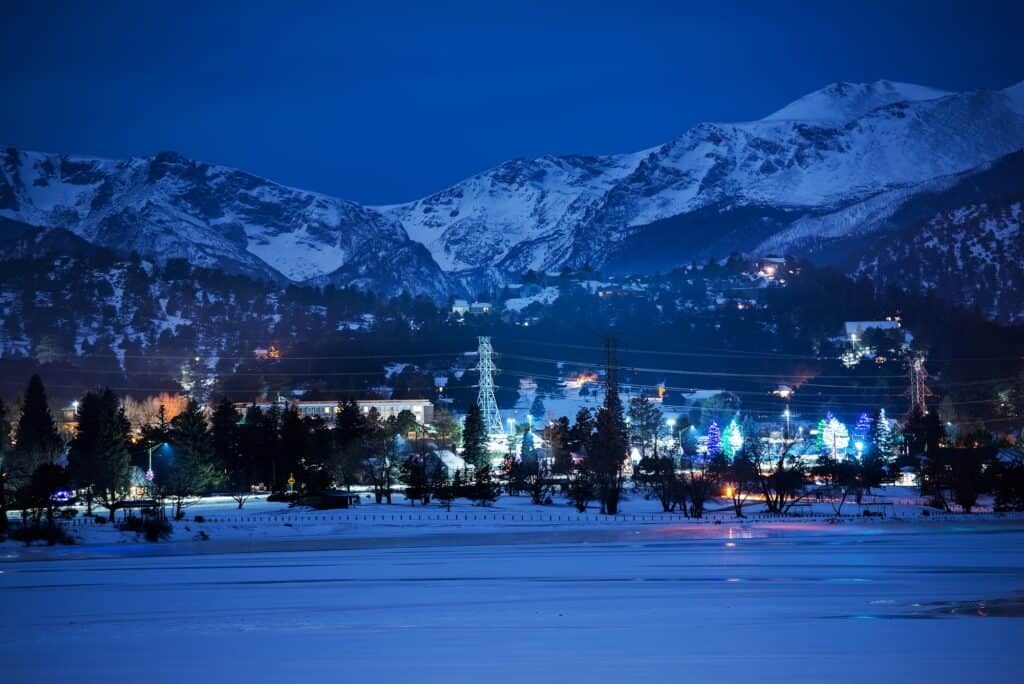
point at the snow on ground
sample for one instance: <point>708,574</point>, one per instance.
<point>796,602</point>
<point>546,296</point>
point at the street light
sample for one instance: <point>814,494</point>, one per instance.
<point>150,475</point>
<point>786,414</point>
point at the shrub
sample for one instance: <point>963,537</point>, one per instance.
<point>153,529</point>
<point>288,497</point>
<point>200,519</point>
<point>51,534</point>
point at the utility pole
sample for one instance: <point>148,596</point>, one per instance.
<point>485,397</point>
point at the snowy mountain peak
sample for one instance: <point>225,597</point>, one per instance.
<point>841,102</point>
<point>170,207</point>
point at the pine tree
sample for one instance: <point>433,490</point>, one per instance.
<point>819,439</point>
<point>474,438</point>
<point>714,439</point>
<point>537,409</point>
<point>645,426</point>
<point>606,461</point>
<point>881,435</point>
<point>186,469</point>
<point>862,431</point>
<point>113,462</point>
<point>37,441</point>
<point>485,489</point>
<point>732,439</point>
<point>557,435</point>
<point>82,450</point>
<point>292,448</point>
<point>224,433</point>
<point>5,449</point>
<point>582,432</point>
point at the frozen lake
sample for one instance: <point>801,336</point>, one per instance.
<point>798,602</point>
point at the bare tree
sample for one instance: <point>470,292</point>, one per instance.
<point>781,478</point>
<point>659,479</point>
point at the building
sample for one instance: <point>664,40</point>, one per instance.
<point>480,308</point>
<point>460,307</point>
<point>422,409</point>
<point>68,423</point>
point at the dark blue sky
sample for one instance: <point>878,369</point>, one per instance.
<point>386,101</point>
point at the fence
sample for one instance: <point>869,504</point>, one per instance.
<point>413,517</point>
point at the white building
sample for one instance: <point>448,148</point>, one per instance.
<point>460,307</point>
<point>422,409</point>
<point>855,329</point>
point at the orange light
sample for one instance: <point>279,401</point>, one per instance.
<point>727,491</point>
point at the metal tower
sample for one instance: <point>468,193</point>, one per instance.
<point>918,389</point>
<point>485,398</point>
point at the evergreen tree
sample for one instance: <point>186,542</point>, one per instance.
<point>445,491</point>
<point>582,432</point>
<point>644,426</point>
<point>5,449</point>
<point>714,439</point>
<point>862,431</point>
<point>819,438</point>
<point>485,489</point>
<point>37,441</point>
<point>606,461</point>
<point>82,459</point>
<point>557,435</point>
<point>186,469</point>
<point>732,439</point>
<point>537,409</point>
<point>318,464</point>
<point>881,437</point>
<point>113,461</point>
<point>351,437</point>
<point>251,446</point>
<point>291,452</point>
<point>474,438</point>
<point>237,448</point>
<point>224,432</point>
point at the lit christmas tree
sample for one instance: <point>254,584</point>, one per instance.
<point>835,437</point>
<point>819,442</point>
<point>882,435</point>
<point>732,439</point>
<point>714,439</point>
<point>862,434</point>
<point>862,430</point>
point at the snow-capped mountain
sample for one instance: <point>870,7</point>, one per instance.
<point>973,254</point>
<point>824,176</point>
<point>840,103</point>
<point>834,162</point>
<point>169,207</point>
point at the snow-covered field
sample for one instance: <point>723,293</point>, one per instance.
<point>521,601</point>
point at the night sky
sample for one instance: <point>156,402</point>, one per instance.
<point>385,102</point>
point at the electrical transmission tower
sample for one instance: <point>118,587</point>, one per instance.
<point>485,398</point>
<point>918,389</point>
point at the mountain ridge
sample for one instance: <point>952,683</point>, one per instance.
<point>835,164</point>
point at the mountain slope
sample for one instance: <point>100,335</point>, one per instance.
<point>167,207</point>
<point>857,145</point>
<point>973,255</point>
<point>824,176</point>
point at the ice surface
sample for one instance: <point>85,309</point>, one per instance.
<point>794,602</point>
